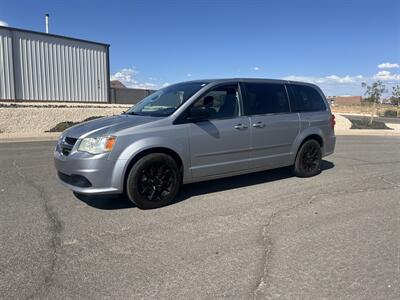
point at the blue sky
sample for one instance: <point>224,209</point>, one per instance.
<point>336,44</point>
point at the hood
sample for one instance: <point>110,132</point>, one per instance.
<point>108,125</point>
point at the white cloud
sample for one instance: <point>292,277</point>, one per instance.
<point>125,75</point>
<point>256,68</point>
<point>334,84</point>
<point>386,76</point>
<point>128,77</point>
<point>337,85</point>
<point>331,79</point>
<point>338,79</point>
<point>146,86</point>
<point>3,23</point>
<point>189,75</point>
<point>388,65</point>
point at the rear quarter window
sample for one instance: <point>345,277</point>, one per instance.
<point>306,98</point>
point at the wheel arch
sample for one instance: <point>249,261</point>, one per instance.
<point>314,136</point>
<point>308,134</point>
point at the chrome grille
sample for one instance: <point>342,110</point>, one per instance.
<point>67,144</point>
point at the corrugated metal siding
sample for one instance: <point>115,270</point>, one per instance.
<point>52,68</point>
<point>6,66</point>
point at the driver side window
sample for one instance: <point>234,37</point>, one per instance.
<point>222,102</point>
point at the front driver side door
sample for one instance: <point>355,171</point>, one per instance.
<point>221,144</point>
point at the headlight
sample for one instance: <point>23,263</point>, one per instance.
<point>97,145</point>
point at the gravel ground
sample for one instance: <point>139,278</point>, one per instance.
<point>36,120</point>
<point>32,120</point>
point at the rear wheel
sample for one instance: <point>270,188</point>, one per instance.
<point>308,159</point>
<point>153,181</point>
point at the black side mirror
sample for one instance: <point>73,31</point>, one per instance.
<point>199,113</point>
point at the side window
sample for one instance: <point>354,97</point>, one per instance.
<point>306,98</point>
<point>222,102</point>
<point>265,98</point>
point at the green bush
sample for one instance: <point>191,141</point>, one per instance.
<point>60,127</point>
<point>390,113</point>
<point>364,124</point>
<point>91,118</point>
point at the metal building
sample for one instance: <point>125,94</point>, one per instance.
<point>36,66</point>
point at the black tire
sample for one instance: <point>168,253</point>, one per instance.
<point>153,181</point>
<point>308,159</point>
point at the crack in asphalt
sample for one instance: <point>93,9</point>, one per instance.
<point>55,228</point>
<point>389,182</point>
<point>266,257</point>
<point>367,162</point>
<point>267,241</point>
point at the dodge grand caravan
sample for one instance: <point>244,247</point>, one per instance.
<point>195,131</point>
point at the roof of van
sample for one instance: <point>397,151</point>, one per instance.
<point>221,80</point>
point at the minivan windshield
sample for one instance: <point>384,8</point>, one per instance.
<point>165,101</point>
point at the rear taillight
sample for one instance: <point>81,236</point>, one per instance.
<point>333,121</point>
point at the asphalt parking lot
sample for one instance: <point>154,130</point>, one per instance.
<point>261,236</point>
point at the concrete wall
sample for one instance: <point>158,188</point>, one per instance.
<point>346,99</point>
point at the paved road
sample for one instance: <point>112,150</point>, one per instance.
<point>266,235</point>
<point>382,119</point>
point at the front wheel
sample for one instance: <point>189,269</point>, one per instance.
<point>153,181</point>
<point>308,159</point>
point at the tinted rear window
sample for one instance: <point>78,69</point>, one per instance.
<point>306,98</point>
<point>265,98</point>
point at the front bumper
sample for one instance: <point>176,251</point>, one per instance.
<point>90,174</point>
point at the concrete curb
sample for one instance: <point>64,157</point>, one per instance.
<point>343,126</point>
<point>15,138</point>
<point>371,132</point>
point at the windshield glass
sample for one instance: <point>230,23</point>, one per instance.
<point>165,101</point>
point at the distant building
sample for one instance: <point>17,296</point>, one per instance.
<point>117,84</point>
<point>120,94</point>
<point>345,99</point>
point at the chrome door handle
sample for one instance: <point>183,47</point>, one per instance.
<point>259,125</point>
<point>240,126</point>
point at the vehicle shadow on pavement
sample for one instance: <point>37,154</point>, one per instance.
<point>112,202</point>
<point>229,183</point>
<point>106,202</point>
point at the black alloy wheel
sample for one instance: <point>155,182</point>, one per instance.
<point>308,159</point>
<point>153,181</point>
<point>156,182</point>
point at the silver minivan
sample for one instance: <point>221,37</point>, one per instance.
<point>195,131</point>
